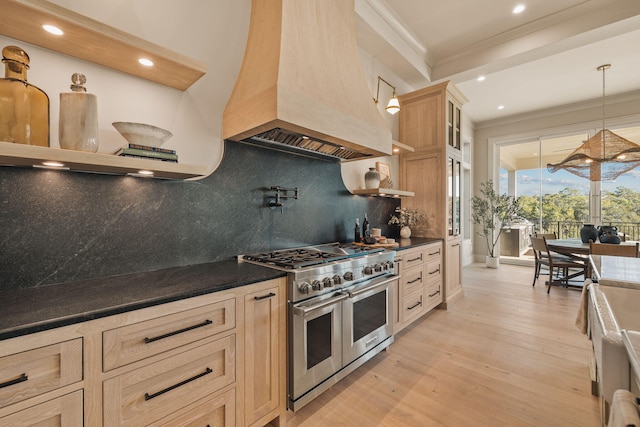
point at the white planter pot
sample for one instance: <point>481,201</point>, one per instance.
<point>405,232</point>
<point>492,262</point>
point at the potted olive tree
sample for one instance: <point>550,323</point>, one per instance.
<point>491,211</point>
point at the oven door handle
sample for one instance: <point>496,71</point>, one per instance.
<point>373,286</point>
<point>303,311</point>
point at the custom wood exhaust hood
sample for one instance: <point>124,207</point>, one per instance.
<point>301,76</point>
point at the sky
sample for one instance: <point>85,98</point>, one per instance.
<point>528,182</point>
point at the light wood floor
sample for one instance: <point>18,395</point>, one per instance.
<point>507,354</point>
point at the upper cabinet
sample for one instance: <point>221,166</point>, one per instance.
<point>430,121</point>
<point>95,42</point>
<point>431,117</point>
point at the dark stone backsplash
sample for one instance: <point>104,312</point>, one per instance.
<point>61,226</point>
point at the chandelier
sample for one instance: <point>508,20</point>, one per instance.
<point>604,156</point>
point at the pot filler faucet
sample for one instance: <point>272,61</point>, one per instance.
<point>281,193</point>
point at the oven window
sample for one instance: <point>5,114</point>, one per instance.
<point>369,314</point>
<point>318,340</point>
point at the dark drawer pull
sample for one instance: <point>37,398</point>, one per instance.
<point>415,305</point>
<point>170,334</point>
<point>435,271</point>
<point>415,259</point>
<point>269,295</point>
<point>414,280</point>
<point>22,378</point>
<point>435,253</point>
<point>148,396</point>
<point>435,293</point>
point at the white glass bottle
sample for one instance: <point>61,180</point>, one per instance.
<point>78,128</point>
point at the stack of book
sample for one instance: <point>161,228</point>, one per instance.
<point>146,152</point>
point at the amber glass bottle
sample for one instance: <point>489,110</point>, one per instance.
<point>24,108</point>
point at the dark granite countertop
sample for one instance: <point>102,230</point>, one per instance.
<point>35,309</point>
<point>412,242</point>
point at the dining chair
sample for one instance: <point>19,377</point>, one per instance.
<point>556,263</point>
<point>631,251</point>
<point>538,254</point>
<point>548,236</point>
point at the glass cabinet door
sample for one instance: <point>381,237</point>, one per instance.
<point>453,196</point>
<point>453,125</point>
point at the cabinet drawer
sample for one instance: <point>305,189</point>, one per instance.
<point>411,280</point>
<point>412,258</point>
<point>218,410</point>
<point>433,252</point>
<point>433,294</point>
<point>150,393</point>
<point>138,341</point>
<point>434,271</point>
<point>64,411</point>
<point>33,372</point>
<point>412,306</point>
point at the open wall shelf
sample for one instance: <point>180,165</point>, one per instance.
<point>12,154</point>
<point>93,41</point>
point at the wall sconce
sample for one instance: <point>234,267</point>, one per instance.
<point>393,106</point>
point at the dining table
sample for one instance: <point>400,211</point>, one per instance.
<point>571,247</point>
<point>576,249</point>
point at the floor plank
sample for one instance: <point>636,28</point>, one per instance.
<point>507,354</point>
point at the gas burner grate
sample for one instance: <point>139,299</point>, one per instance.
<point>295,258</point>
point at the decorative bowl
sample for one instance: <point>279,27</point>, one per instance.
<point>142,134</point>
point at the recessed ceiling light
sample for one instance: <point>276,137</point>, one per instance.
<point>481,78</point>
<point>145,172</point>
<point>500,107</point>
<point>146,62</point>
<point>396,150</point>
<point>53,29</point>
<point>519,9</point>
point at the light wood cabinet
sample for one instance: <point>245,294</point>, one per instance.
<point>216,410</point>
<point>217,359</point>
<point>262,356</point>
<point>430,121</point>
<point>64,411</point>
<point>420,282</point>
<point>36,371</point>
<point>138,341</point>
<point>41,379</point>
<point>159,389</point>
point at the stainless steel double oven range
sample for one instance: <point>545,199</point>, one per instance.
<point>340,311</point>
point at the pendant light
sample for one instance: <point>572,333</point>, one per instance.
<point>604,156</point>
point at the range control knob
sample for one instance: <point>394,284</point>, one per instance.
<point>348,276</point>
<point>377,267</point>
<point>327,282</point>
<point>368,270</point>
<point>316,285</point>
<point>337,280</point>
<point>304,288</point>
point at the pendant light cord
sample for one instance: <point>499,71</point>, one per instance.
<point>603,68</point>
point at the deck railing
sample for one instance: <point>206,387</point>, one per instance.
<point>571,229</point>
